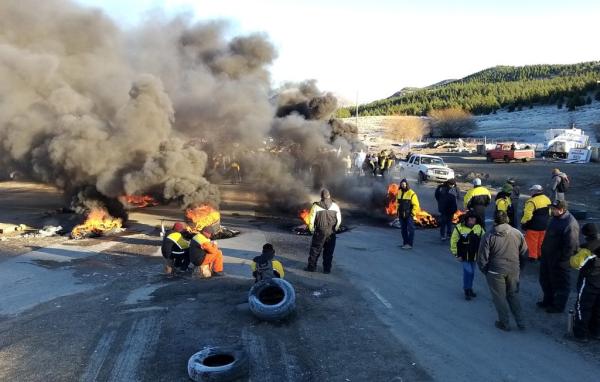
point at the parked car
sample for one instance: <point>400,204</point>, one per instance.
<point>509,152</point>
<point>426,167</point>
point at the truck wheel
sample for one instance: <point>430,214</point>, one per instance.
<point>524,160</point>
<point>422,177</point>
<point>506,159</point>
<point>489,158</point>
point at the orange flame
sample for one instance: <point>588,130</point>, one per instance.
<point>425,219</point>
<point>457,215</point>
<point>139,201</point>
<point>304,216</point>
<point>97,221</point>
<point>201,217</point>
<point>392,204</point>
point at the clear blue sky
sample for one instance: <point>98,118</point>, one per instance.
<point>377,47</point>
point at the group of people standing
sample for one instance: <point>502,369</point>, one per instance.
<point>551,237</point>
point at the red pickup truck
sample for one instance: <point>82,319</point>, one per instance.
<point>508,152</point>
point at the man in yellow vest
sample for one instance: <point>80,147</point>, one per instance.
<point>464,244</point>
<point>408,206</point>
<point>477,199</point>
<point>536,215</point>
<point>504,202</point>
<point>175,249</point>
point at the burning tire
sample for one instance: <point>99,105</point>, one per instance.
<point>218,364</point>
<point>272,299</point>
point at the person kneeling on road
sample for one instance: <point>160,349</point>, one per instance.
<point>587,307</point>
<point>464,244</point>
<point>205,254</point>
<point>175,249</point>
<point>264,267</point>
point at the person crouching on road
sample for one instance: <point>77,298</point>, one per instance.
<point>587,306</point>
<point>264,267</point>
<point>205,254</point>
<point>501,256</point>
<point>408,206</point>
<point>325,219</point>
<point>504,202</point>
<point>464,245</point>
<point>560,243</point>
<point>477,199</point>
<point>175,249</point>
<point>536,214</point>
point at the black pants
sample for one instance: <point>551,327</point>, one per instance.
<point>555,281</point>
<point>480,213</point>
<point>587,312</point>
<point>321,242</point>
<point>180,261</point>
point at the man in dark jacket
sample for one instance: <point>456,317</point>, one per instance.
<point>560,243</point>
<point>501,255</point>
<point>447,195</point>
<point>324,221</point>
<point>587,307</point>
<point>514,199</point>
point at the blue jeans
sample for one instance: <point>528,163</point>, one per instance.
<point>468,274</point>
<point>407,227</point>
<point>446,225</point>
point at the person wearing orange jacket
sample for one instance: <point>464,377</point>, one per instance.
<point>205,254</point>
<point>536,215</point>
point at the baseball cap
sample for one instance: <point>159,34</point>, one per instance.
<point>536,187</point>
<point>559,204</point>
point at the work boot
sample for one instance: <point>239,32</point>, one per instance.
<point>406,246</point>
<point>467,295</point>
<point>327,271</point>
<point>309,269</point>
<point>502,326</point>
<point>471,293</point>
<point>521,325</point>
<point>218,274</point>
<point>168,269</point>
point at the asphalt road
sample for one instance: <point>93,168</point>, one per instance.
<point>101,310</point>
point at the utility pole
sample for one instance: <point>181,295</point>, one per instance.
<point>356,113</point>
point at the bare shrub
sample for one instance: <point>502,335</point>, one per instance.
<point>405,129</point>
<point>451,123</point>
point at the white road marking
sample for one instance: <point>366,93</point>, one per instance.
<point>382,299</point>
<point>146,309</point>
<point>98,357</point>
<point>141,339</point>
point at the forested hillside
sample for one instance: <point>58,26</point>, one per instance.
<point>514,88</point>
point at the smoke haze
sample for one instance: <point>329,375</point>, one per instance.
<point>86,105</point>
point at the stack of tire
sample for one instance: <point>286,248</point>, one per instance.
<point>272,299</point>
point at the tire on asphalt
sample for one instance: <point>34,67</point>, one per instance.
<point>272,299</point>
<point>218,364</point>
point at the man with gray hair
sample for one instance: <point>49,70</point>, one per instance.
<point>325,219</point>
<point>502,253</point>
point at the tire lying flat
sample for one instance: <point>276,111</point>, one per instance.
<point>276,310</point>
<point>218,364</point>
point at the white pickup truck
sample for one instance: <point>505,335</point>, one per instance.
<point>426,167</point>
